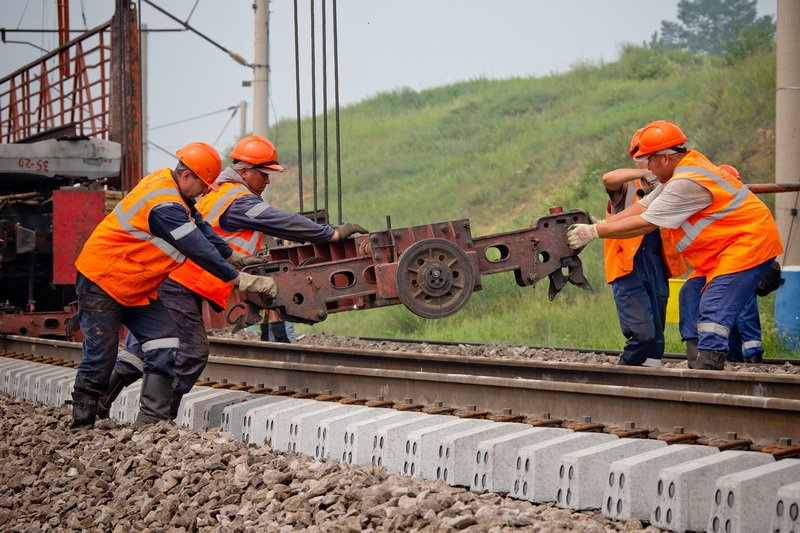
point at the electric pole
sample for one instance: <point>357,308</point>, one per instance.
<point>261,69</point>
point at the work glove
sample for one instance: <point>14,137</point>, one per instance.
<point>651,179</point>
<point>348,228</point>
<point>264,285</point>
<point>596,220</point>
<point>579,235</point>
<point>240,260</point>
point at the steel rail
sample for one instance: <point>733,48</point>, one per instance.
<point>754,414</point>
<point>668,357</point>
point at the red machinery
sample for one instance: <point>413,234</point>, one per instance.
<point>70,128</point>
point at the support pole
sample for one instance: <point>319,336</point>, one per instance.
<point>787,167</point>
<point>261,69</point>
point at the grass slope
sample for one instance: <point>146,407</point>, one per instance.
<point>502,152</point>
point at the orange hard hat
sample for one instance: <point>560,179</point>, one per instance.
<point>202,159</point>
<point>635,142</point>
<point>730,169</point>
<point>257,151</point>
<point>659,135</point>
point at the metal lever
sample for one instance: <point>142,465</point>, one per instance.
<point>574,275</point>
<point>250,317</point>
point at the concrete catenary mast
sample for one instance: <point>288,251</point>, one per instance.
<point>787,166</point>
<point>261,69</point>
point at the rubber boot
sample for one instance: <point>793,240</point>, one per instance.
<point>175,405</point>
<point>691,352</point>
<point>116,383</point>
<point>756,359</point>
<point>84,411</point>
<point>710,360</point>
<point>155,400</point>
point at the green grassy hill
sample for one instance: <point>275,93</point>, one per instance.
<point>502,152</point>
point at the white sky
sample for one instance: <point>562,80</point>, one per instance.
<point>383,45</point>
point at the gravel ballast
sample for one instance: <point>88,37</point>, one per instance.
<point>163,477</point>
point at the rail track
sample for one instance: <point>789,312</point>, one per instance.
<point>742,409</point>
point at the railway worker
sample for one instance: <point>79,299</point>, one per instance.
<point>638,268</point>
<point>148,235</point>
<point>237,212</point>
<point>745,337</point>
<point>725,233</point>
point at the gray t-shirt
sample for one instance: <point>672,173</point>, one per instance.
<point>670,205</point>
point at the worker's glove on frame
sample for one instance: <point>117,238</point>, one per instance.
<point>596,220</point>
<point>348,228</point>
<point>240,260</point>
<point>579,235</point>
<point>651,179</point>
<point>264,285</point>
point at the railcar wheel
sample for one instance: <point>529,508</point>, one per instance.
<point>434,278</point>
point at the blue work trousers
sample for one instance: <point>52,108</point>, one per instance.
<point>100,317</point>
<point>745,339</point>
<point>641,299</point>
<point>186,309</point>
<point>281,331</point>
<point>709,315</point>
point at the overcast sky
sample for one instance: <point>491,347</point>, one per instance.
<point>383,45</point>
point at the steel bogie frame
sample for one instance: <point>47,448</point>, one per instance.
<point>432,269</point>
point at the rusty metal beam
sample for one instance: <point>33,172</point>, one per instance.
<point>432,269</point>
<point>126,91</point>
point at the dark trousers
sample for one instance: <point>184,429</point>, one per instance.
<point>710,314</point>
<point>186,309</point>
<point>641,299</point>
<point>280,331</point>
<point>100,317</point>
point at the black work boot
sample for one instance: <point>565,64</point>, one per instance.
<point>84,411</point>
<point>710,360</point>
<point>115,386</point>
<point>175,405</point>
<point>691,352</point>
<point>756,359</point>
<point>155,400</point>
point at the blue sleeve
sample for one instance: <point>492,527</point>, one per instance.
<point>250,212</point>
<point>171,223</point>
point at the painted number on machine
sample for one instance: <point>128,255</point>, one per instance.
<point>33,164</point>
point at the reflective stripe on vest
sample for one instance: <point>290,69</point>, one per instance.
<point>247,241</point>
<point>125,219</point>
<point>693,230</point>
<point>734,233</point>
<point>212,207</point>
<point>122,256</point>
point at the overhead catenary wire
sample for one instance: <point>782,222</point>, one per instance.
<point>161,148</point>
<point>235,110</point>
<point>236,57</point>
<point>325,108</point>
<point>336,110</point>
<point>297,94</point>
<point>314,109</point>
<point>189,119</point>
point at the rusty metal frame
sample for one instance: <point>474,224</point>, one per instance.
<point>88,87</point>
<point>368,272</point>
<point>68,87</point>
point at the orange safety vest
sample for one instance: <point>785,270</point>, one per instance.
<point>248,241</point>
<point>122,256</point>
<point>618,253</point>
<point>736,232</point>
